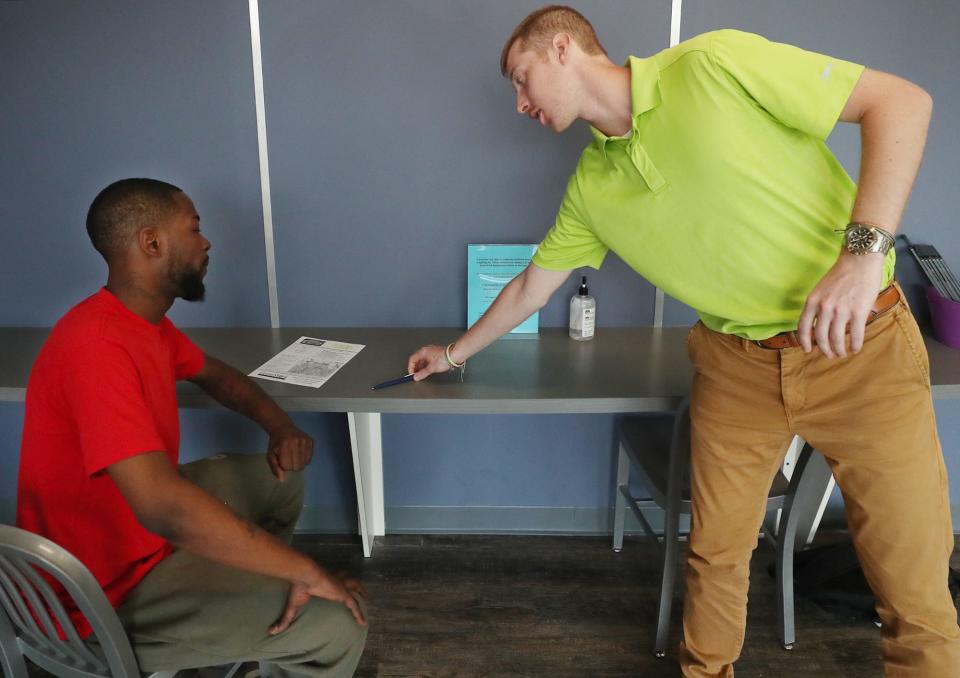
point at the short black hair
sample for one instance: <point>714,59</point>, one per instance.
<point>124,207</point>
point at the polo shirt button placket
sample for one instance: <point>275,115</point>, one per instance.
<point>641,160</point>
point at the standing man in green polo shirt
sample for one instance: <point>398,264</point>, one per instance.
<point>708,174</point>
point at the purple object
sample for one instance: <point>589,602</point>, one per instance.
<point>945,314</point>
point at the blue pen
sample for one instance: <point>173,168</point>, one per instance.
<point>394,382</point>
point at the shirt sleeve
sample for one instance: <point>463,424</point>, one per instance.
<point>571,243</point>
<point>188,359</point>
<point>803,90</point>
<point>104,392</point>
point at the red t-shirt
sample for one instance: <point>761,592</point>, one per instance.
<point>103,389</point>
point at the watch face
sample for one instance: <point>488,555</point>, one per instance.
<point>861,239</point>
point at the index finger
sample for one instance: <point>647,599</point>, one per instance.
<point>413,360</point>
<point>858,327</point>
<point>354,608</point>
<point>805,328</point>
<point>297,459</point>
<point>285,620</point>
<point>275,467</point>
<point>307,453</point>
<point>307,442</point>
<point>287,457</point>
<point>822,332</point>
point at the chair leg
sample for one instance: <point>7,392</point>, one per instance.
<point>620,505</point>
<point>811,476</point>
<point>785,611</point>
<point>671,547</point>
<point>11,658</point>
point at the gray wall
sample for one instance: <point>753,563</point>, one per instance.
<point>393,143</point>
<point>97,91</point>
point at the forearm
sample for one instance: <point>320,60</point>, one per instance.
<point>197,522</point>
<point>512,306</point>
<point>523,295</point>
<point>238,392</point>
<point>892,140</point>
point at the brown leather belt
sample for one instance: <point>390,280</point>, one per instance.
<point>886,300</point>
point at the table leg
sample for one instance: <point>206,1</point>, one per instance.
<point>367,446</point>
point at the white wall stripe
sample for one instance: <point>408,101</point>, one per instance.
<point>676,9</point>
<point>264,164</point>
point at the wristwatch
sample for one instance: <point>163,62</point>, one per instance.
<point>861,238</point>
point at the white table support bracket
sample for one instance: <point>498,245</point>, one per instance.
<point>366,443</point>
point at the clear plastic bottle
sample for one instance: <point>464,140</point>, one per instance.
<point>583,313</point>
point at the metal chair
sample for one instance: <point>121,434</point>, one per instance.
<point>29,606</point>
<point>658,449</point>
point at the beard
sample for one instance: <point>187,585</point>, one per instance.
<point>187,282</point>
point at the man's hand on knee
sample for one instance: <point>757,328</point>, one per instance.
<point>338,588</point>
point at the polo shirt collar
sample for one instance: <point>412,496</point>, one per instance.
<point>644,85</point>
<point>644,94</point>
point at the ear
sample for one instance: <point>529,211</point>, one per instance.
<point>149,241</point>
<point>561,43</point>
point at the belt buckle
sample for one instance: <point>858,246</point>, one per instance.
<point>759,342</point>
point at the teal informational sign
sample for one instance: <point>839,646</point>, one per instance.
<point>489,269</point>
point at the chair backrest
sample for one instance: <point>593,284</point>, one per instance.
<point>29,605</point>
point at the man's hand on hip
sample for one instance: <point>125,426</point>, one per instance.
<point>841,301</point>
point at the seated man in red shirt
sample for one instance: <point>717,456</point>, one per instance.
<point>194,557</point>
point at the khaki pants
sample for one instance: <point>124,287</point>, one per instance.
<point>871,416</point>
<point>191,612</point>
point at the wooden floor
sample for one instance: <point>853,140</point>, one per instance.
<point>562,607</point>
<point>559,607</point>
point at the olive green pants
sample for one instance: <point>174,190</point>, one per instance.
<point>871,416</point>
<point>191,612</point>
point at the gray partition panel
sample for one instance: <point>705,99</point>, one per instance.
<point>98,91</point>
<point>394,142</point>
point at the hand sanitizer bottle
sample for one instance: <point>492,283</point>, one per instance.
<point>583,312</point>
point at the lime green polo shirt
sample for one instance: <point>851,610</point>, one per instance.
<point>723,194</point>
